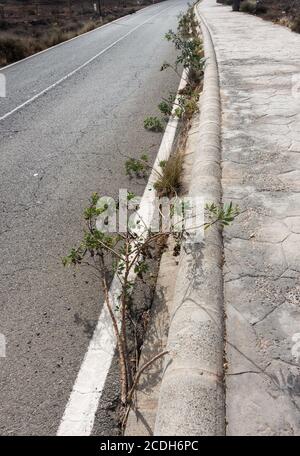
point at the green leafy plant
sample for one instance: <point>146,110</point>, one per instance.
<point>224,215</point>
<point>137,167</point>
<point>190,54</point>
<point>153,124</point>
<point>187,23</point>
<point>168,180</point>
<point>189,46</point>
<point>184,106</point>
<point>128,254</point>
<point>187,105</point>
<point>166,105</point>
<point>165,108</point>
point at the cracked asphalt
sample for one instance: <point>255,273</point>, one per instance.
<point>55,152</point>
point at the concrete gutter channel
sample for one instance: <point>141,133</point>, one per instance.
<point>191,400</point>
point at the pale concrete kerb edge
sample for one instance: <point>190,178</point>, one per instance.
<point>191,398</point>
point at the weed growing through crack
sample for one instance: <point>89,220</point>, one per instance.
<point>137,167</point>
<point>153,124</point>
<point>166,105</point>
<point>190,56</point>
<point>128,255</point>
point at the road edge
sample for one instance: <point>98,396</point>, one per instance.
<point>192,397</point>
<point>74,38</point>
<point>80,411</point>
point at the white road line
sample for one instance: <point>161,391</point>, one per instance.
<point>76,37</point>
<point>79,415</point>
<point>81,66</point>
<point>61,44</point>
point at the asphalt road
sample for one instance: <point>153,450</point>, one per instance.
<point>55,151</point>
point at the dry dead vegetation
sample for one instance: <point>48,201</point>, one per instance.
<point>282,12</point>
<point>13,47</point>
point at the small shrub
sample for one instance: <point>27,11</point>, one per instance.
<point>261,9</point>
<point>88,26</point>
<point>184,106</point>
<point>12,49</point>
<point>190,56</point>
<point>284,21</point>
<point>129,256</point>
<point>248,6</point>
<point>224,214</point>
<point>191,106</point>
<point>137,167</point>
<point>153,124</point>
<point>165,108</point>
<point>166,105</point>
<point>296,25</point>
<point>4,25</point>
<point>187,23</point>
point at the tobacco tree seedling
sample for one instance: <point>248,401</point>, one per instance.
<point>166,105</point>
<point>128,254</point>
<point>223,215</point>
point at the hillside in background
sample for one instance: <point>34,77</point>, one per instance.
<point>283,12</point>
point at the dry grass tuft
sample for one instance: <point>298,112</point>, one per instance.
<point>169,180</point>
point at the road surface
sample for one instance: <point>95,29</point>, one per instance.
<point>71,117</point>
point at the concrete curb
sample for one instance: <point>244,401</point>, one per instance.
<point>191,398</point>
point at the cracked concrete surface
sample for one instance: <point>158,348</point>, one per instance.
<point>261,169</point>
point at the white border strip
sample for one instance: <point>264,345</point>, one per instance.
<point>79,415</point>
<point>30,100</point>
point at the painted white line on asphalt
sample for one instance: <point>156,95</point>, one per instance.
<point>30,100</point>
<point>128,16</point>
<point>79,415</point>
<point>61,44</point>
